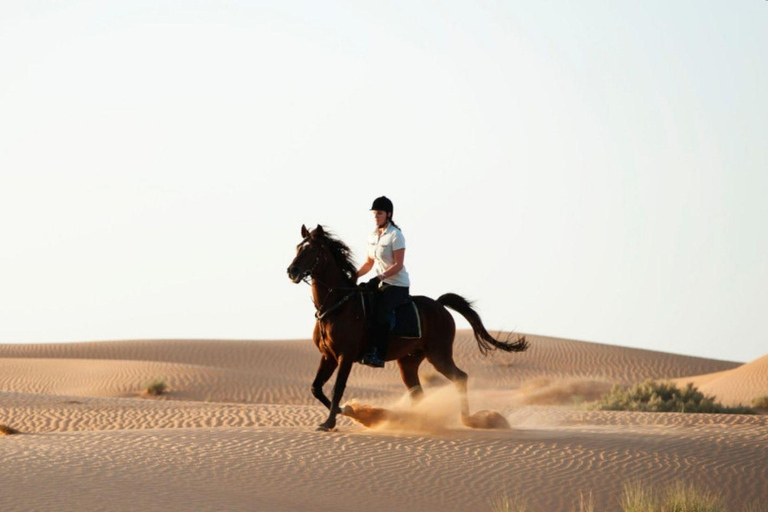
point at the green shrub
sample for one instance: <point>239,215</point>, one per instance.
<point>156,387</point>
<point>652,396</point>
<point>760,402</point>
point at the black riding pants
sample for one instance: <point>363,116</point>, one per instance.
<point>390,297</point>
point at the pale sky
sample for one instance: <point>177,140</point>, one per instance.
<point>588,170</point>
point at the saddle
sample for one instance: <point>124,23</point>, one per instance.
<point>405,323</point>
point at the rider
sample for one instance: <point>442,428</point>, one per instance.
<point>386,251</point>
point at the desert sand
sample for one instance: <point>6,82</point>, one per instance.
<point>236,430</point>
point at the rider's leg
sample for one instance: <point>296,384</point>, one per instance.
<point>389,298</point>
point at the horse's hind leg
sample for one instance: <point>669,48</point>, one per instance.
<point>445,365</point>
<point>409,371</point>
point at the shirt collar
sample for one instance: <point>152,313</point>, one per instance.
<point>387,230</point>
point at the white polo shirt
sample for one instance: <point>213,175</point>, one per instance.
<point>381,250</point>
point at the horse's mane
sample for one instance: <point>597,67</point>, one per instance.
<point>342,255</point>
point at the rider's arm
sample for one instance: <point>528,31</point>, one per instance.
<point>366,267</point>
<point>398,265</point>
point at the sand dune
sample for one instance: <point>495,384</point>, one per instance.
<point>738,386</point>
<point>236,431</point>
<point>281,371</point>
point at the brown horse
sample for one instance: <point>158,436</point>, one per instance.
<point>340,333</point>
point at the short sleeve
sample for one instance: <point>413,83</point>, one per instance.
<point>371,247</point>
<point>398,240</point>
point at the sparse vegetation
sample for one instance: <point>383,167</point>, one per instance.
<point>756,506</point>
<point>504,503</point>
<point>652,396</point>
<point>5,430</point>
<point>760,402</point>
<point>678,497</point>
<point>586,503</point>
<point>639,497</point>
<point>156,387</point>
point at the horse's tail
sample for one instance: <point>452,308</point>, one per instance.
<point>485,342</point>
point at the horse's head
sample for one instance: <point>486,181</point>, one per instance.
<point>309,254</point>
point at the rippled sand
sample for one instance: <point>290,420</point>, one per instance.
<point>236,430</point>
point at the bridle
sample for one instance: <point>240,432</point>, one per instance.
<point>319,313</point>
<point>308,273</point>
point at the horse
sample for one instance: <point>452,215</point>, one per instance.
<point>340,327</point>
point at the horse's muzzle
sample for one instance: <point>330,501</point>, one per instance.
<point>294,274</point>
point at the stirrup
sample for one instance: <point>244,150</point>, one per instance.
<point>372,359</point>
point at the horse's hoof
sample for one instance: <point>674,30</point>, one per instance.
<point>323,428</point>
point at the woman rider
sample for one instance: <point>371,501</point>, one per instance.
<point>386,252</point>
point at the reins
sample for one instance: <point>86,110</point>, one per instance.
<point>336,306</point>
<point>319,313</point>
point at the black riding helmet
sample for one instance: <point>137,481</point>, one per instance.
<point>382,204</point>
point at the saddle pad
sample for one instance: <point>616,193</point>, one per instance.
<point>407,321</point>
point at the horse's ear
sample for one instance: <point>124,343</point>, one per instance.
<point>319,230</point>
<point>304,231</point>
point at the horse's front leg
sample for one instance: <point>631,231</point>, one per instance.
<point>345,366</point>
<point>324,371</point>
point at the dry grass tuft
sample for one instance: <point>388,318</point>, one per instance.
<point>156,387</point>
<point>756,506</point>
<point>586,503</point>
<point>504,503</point>
<point>639,497</point>
<point>5,430</point>
<point>681,497</point>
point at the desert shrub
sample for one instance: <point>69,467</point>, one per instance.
<point>5,430</point>
<point>760,402</point>
<point>652,396</point>
<point>156,387</point>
